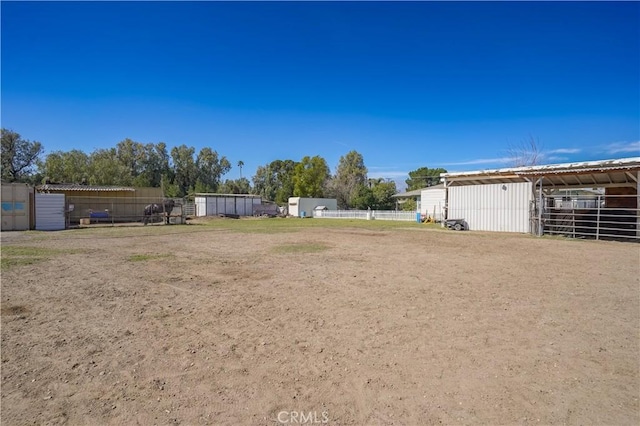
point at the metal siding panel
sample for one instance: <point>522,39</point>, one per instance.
<point>228,207</point>
<point>430,199</point>
<point>492,208</point>
<point>50,212</point>
<point>242,209</point>
<point>212,206</point>
<point>294,206</point>
<point>15,207</point>
<point>201,206</point>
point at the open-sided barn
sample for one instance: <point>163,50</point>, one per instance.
<point>524,199</point>
<point>100,203</point>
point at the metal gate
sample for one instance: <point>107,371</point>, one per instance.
<point>597,216</point>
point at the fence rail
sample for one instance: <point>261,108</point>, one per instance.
<point>96,210</point>
<point>367,214</point>
<point>607,217</point>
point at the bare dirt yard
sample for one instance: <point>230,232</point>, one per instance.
<point>314,322</point>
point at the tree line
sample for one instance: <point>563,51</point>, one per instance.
<point>182,172</point>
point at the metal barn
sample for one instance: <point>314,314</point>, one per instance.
<point>209,204</point>
<point>604,200</point>
<point>306,207</point>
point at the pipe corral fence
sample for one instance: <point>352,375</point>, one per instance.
<point>601,216</point>
<point>88,210</point>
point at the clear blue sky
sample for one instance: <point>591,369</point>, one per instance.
<point>405,84</point>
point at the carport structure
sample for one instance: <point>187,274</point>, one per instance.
<point>550,199</point>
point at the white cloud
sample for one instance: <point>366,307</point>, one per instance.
<point>620,147</point>
<point>391,174</point>
<point>564,151</point>
<point>501,160</point>
<point>556,158</point>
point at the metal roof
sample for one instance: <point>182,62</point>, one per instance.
<point>618,172</point>
<point>215,194</point>
<point>84,188</point>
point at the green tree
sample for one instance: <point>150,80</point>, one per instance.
<point>274,181</point>
<point>409,205</point>
<point>351,175</point>
<point>106,169</point>
<point>185,170</point>
<point>19,157</point>
<point>265,183</point>
<point>154,163</point>
<point>236,186</point>
<point>377,195</point>
<point>364,198</point>
<point>310,177</point>
<point>132,156</point>
<point>383,195</point>
<point>210,169</point>
<point>423,177</point>
<point>240,165</point>
<point>67,167</point>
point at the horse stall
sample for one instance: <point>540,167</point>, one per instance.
<point>101,205</point>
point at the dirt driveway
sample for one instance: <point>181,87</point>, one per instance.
<point>207,325</point>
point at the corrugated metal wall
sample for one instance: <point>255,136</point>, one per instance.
<point>201,206</point>
<point>495,207</point>
<point>50,212</point>
<point>432,200</point>
<point>215,205</point>
<point>16,206</point>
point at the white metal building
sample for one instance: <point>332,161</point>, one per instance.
<point>305,207</point>
<point>226,204</point>
<point>523,199</point>
<point>432,201</point>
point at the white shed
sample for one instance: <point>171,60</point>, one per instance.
<point>432,201</point>
<point>305,207</point>
<point>226,204</point>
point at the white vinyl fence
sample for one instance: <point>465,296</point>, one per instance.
<point>367,215</point>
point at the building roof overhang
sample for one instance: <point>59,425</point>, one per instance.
<point>604,173</point>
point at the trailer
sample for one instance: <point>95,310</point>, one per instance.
<point>456,224</point>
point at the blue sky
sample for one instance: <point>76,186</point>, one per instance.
<point>407,85</point>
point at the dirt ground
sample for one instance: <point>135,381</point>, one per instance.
<point>320,326</point>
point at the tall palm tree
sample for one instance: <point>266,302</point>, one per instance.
<point>240,164</point>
